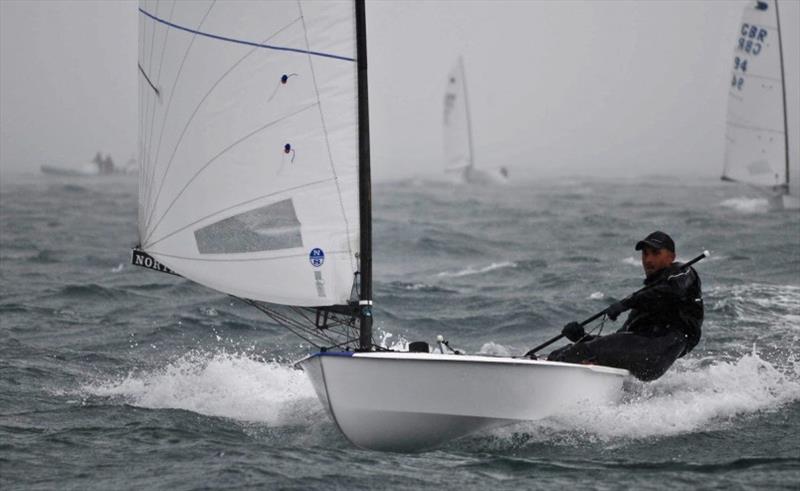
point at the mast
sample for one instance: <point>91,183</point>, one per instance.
<point>466,107</point>
<point>783,89</point>
<point>364,187</point>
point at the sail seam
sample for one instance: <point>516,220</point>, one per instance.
<point>327,141</point>
<point>225,210</point>
<point>218,155</point>
<point>763,77</point>
<point>753,128</point>
<point>239,260</point>
<point>242,41</point>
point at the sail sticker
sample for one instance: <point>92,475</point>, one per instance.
<point>316,257</point>
<point>761,5</point>
<point>145,260</point>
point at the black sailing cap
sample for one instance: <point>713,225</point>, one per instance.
<point>656,240</point>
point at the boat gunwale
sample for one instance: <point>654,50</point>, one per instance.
<point>502,360</point>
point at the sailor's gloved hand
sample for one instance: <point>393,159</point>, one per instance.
<point>573,331</point>
<point>614,310</point>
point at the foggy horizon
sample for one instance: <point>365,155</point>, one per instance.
<point>585,88</point>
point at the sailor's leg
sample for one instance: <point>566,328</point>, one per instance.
<point>574,353</point>
<point>647,358</point>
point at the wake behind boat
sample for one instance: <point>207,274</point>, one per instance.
<point>255,181</point>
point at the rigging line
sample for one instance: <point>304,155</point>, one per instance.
<point>239,260</point>
<point>762,77</point>
<point>272,316</point>
<point>151,175</point>
<point>166,114</point>
<point>191,119</point>
<point>753,128</point>
<point>224,210</point>
<point>246,43</point>
<point>290,323</point>
<point>353,265</point>
<point>213,159</point>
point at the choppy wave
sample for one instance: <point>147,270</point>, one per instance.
<point>758,304</point>
<point>697,395</point>
<point>236,386</point>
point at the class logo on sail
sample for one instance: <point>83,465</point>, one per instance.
<point>316,257</point>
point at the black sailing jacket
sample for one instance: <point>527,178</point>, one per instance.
<point>676,302</point>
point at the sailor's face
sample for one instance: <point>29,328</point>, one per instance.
<point>654,260</point>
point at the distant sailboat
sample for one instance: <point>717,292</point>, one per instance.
<point>99,166</point>
<point>459,152</point>
<point>255,181</point>
<point>757,148</point>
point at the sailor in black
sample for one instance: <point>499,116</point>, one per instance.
<point>664,323</point>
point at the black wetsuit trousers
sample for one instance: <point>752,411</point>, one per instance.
<point>647,358</point>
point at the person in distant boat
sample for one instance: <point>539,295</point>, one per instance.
<point>664,323</point>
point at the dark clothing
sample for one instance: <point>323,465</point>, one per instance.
<point>664,324</point>
<point>647,358</point>
<point>674,303</point>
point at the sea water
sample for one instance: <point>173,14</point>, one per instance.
<point>113,376</point>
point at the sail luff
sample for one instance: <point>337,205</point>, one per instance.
<point>783,92</point>
<point>364,176</point>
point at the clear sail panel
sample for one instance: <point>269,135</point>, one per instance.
<point>248,146</point>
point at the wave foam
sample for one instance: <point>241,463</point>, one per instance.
<point>694,396</point>
<point>747,205</point>
<point>234,386</point>
<point>471,271</point>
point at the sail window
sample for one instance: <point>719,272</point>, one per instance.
<point>268,228</point>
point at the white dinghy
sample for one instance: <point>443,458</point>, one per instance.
<point>254,180</point>
<point>414,401</point>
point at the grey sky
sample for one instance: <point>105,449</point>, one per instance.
<point>599,87</point>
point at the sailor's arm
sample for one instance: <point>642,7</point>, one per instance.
<point>675,287</point>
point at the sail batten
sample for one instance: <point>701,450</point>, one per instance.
<point>249,147</point>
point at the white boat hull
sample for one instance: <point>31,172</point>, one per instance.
<point>413,401</point>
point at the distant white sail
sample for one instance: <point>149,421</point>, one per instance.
<point>457,126</point>
<point>756,150</point>
<point>248,146</point>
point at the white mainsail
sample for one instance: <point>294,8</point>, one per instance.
<point>248,144</point>
<point>458,153</point>
<point>756,148</point>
